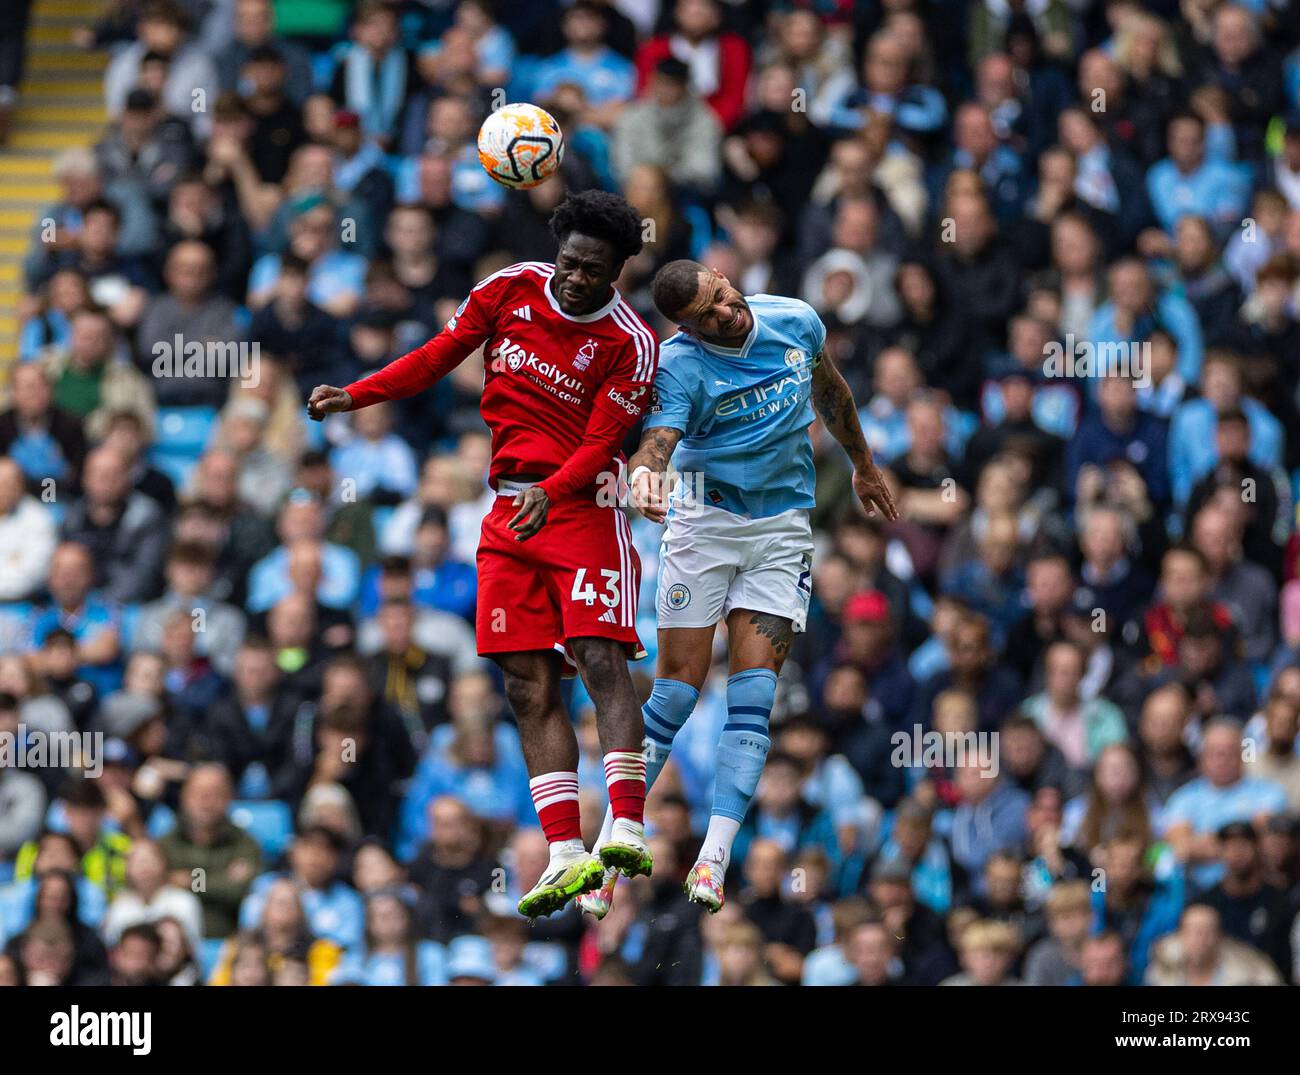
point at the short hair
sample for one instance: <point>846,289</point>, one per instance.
<point>676,285</point>
<point>78,791</point>
<point>102,205</point>
<point>145,931</point>
<point>191,552</point>
<point>599,214</point>
<point>164,11</point>
<point>1067,896</point>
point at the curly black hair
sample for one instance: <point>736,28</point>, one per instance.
<point>599,215</point>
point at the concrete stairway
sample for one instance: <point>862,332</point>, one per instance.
<point>61,104</point>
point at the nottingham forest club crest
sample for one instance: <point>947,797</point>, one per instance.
<point>584,356</point>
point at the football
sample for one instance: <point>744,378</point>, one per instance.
<point>520,145</point>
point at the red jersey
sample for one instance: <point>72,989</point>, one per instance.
<point>560,391</point>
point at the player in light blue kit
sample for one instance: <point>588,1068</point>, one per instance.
<point>735,393</point>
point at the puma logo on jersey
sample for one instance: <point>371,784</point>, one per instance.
<point>525,313</point>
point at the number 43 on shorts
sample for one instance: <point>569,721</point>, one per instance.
<point>587,594</point>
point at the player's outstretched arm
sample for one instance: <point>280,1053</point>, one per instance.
<point>414,371</point>
<point>833,402</point>
<point>649,472</point>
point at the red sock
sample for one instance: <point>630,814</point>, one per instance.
<point>625,775</point>
<point>555,795</point>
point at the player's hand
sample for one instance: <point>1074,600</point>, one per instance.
<point>650,495</point>
<point>533,504</point>
<point>873,491</point>
<point>326,399</point>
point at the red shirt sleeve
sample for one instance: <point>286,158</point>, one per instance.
<point>734,61</point>
<point>647,59</point>
<point>416,370</point>
<point>622,400</point>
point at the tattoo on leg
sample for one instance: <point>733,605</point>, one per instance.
<point>778,630</point>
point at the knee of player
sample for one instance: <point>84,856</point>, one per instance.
<point>528,696</point>
<point>601,659</point>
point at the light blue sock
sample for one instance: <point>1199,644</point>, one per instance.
<point>742,747</point>
<point>664,713</point>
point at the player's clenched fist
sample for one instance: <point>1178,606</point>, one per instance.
<point>650,494</point>
<point>326,399</point>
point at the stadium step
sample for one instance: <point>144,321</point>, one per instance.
<point>84,11</point>
<point>61,105</point>
<point>65,58</point>
<point>42,109</point>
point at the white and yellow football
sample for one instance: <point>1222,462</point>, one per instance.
<point>520,145</point>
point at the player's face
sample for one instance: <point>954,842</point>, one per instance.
<point>719,313</point>
<point>585,270</point>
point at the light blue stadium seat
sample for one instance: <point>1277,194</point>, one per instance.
<point>184,429</point>
<point>267,821</point>
<point>180,437</point>
<point>209,955</point>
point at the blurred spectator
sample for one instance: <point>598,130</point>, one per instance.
<point>206,846</point>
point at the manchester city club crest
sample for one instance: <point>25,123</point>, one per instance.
<point>678,596</point>
<point>794,357</point>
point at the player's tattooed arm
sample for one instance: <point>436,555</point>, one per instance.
<point>656,448</point>
<point>834,403</point>
<point>649,488</point>
<point>778,630</point>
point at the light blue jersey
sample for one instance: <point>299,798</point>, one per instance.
<point>745,411</point>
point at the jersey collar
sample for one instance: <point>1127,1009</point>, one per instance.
<point>595,315</point>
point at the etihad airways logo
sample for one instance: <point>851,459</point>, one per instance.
<point>765,400</point>
<point>507,355</point>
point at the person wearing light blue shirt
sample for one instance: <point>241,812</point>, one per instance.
<point>1193,447</point>
<point>736,391</point>
<point>377,460</point>
<point>492,783</point>
<point>1193,181</point>
<point>1133,299</point>
<point>388,953</point>
<point>604,76</point>
<point>340,581</point>
<point>335,277</point>
<point>1221,794</point>
<point>334,911</point>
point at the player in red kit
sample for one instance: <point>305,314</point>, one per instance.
<point>567,371</point>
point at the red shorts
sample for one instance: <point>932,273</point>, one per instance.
<point>577,577</point>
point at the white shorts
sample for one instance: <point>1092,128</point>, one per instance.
<point>712,561</point>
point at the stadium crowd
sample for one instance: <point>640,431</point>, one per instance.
<point>303,773</point>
